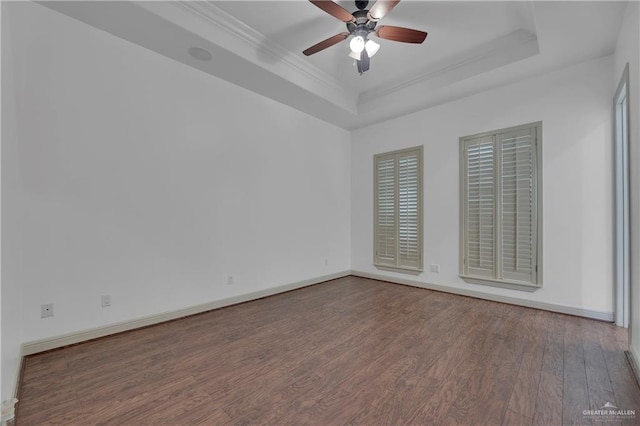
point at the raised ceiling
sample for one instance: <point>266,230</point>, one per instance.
<point>472,46</point>
<point>453,28</point>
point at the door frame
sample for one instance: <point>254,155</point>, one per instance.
<point>622,235</point>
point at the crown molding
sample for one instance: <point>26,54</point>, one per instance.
<point>525,38</point>
<point>271,70</point>
<point>257,41</point>
<point>495,49</point>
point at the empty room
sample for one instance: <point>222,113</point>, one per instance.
<point>320,212</point>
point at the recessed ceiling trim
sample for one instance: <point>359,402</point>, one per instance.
<point>474,61</point>
<point>258,42</point>
<point>247,58</point>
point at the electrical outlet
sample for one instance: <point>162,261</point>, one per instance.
<point>106,301</point>
<point>229,279</point>
<point>46,310</point>
<point>435,268</point>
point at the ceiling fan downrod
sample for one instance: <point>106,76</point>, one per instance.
<point>362,4</point>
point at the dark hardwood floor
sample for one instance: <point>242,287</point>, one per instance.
<point>349,351</point>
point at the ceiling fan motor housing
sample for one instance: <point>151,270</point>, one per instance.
<point>362,25</point>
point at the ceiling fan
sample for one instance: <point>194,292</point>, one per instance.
<point>360,24</point>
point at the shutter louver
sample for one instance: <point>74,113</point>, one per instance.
<point>480,208</point>
<point>500,205</point>
<point>518,251</point>
<point>397,227</point>
<point>408,226</point>
<point>386,247</point>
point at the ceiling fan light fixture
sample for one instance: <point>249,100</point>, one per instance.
<point>372,47</point>
<point>354,55</point>
<point>357,44</point>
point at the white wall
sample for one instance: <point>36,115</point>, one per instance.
<point>575,107</point>
<point>152,182</point>
<point>11,220</point>
<point>627,51</point>
<point>141,178</point>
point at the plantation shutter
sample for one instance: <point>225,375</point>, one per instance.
<point>408,201</point>
<point>517,205</point>
<point>398,217</point>
<point>386,241</point>
<point>480,206</point>
<point>500,223</point>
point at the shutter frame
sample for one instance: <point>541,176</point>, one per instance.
<point>407,205</point>
<point>525,178</point>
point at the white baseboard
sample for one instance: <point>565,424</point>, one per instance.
<point>36,346</point>
<point>587,313</point>
<point>18,376</point>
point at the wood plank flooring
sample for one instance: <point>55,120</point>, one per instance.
<point>348,351</point>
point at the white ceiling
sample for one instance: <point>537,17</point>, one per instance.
<point>453,27</point>
<point>471,46</point>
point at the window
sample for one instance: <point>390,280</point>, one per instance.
<point>398,210</point>
<point>501,207</point>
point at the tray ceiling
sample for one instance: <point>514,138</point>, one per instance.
<point>258,45</point>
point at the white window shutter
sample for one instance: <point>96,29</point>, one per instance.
<point>480,205</point>
<point>501,206</point>
<point>398,209</point>
<point>409,250</point>
<point>385,192</point>
<point>518,205</point>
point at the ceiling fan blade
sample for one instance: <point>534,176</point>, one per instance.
<point>334,9</point>
<point>381,8</point>
<point>325,43</point>
<point>401,34</point>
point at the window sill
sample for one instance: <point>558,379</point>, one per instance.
<point>512,285</point>
<point>411,271</point>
